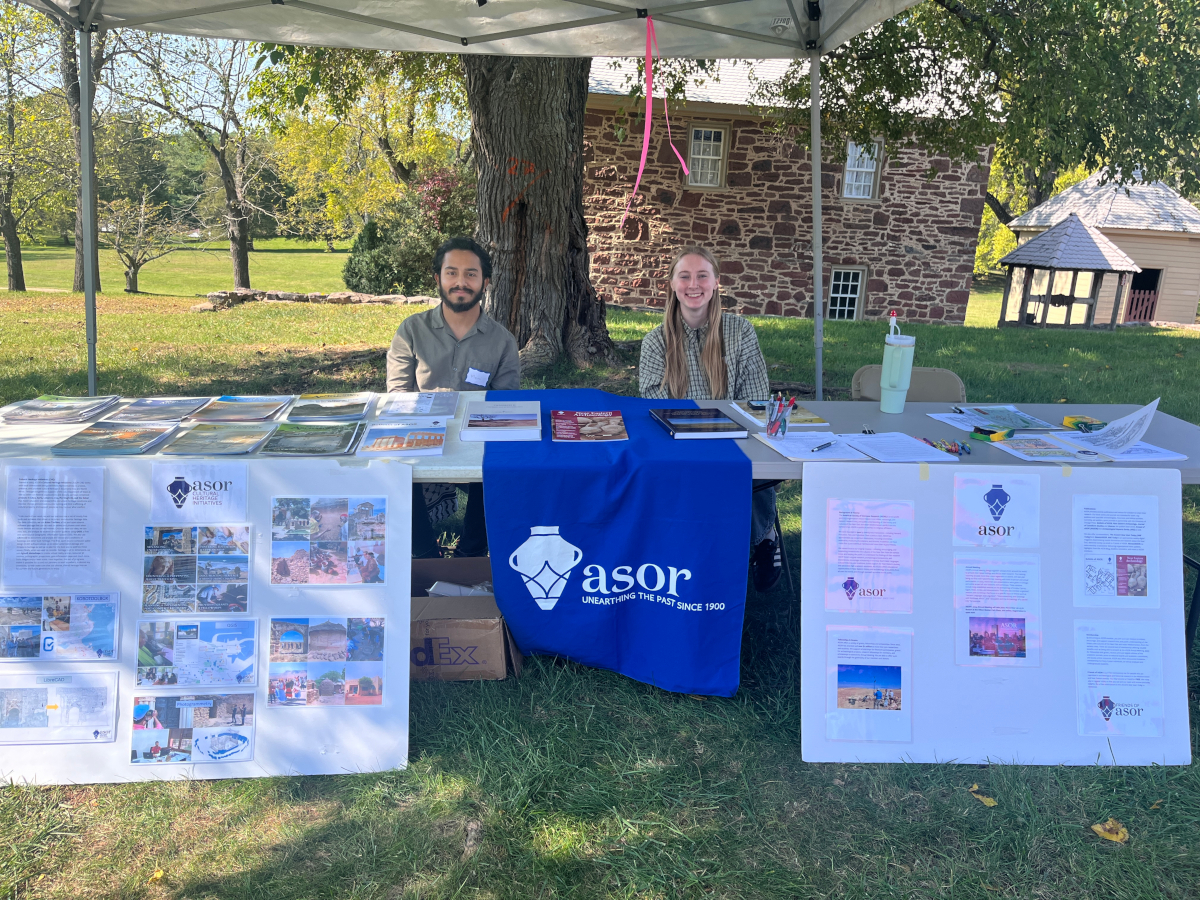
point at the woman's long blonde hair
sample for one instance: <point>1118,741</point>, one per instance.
<point>712,355</point>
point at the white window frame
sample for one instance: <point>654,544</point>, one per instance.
<point>851,157</point>
<point>722,163</point>
<point>860,299</point>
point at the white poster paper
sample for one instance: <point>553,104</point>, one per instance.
<point>997,610</point>
<point>58,708</point>
<point>1115,554</point>
<point>191,492</point>
<point>869,555</point>
<point>996,510</point>
<point>1119,678</point>
<point>212,653</point>
<point>868,683</point>
<point>53,525</point>
<point>192,728</point>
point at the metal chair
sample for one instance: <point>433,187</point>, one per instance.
<point>927,385</point>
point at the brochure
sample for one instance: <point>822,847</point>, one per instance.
<point>51,408</point>
<point>996,418</point>
<point>59,628</point>
<point>159,409</point>
<point>328,540</point>
<point>1048,448</point>
<point>811,447</point>
<point>192,728</point>
<point>292,439</point>
<point>490,420</point>
<point>799,417</point>
<point>1115,437</point>
<point>115,439</point>
<point>324,661</point>
<point>331,407</point>
<point>215,653</point>
<point>59,708</point>
<point>242,409</point>
<point>432,404</point>
<point>566,425</point>
<point>218,440</point>
<point>692,424</point>
<point>195,568</point>
<point>408,438</point>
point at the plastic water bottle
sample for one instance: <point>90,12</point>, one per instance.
<point>897,368</point>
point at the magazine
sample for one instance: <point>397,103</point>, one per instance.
<point>519,420</point>
<point>567,425</point>
<point>294,439</point>
<point>242,409</point>
<point>331,407</point>
<point>218,440</point>
<point>115,439</point>
<point>412,438</point>
<point>408,406</point>
<point>159,409</point>
<point>799,417</point>
<point>50,408</point>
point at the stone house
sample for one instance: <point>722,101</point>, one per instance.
<point>894,238</point>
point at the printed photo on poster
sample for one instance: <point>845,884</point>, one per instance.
<point>997,609</point>
<point>195,569</point>
<point>53,526</point>
<point>997,510</point>
<point>192,728</point>
<point>58,708</point>
<point>868,683</point>
<point>328,540</point>
<point>322,661</point>
<point>203,652</point>
<point>59,627</point>
<point>1115,555</point>
<point>1119,678</point>
<point>869,555</point>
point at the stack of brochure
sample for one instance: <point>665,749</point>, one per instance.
<point>116,439</point>
<point>412,407</point>
<point>219,440</point>
<point>414,437</point>
<point>303,439</point>
<point>242,409</point>
<point>329,408</point>
<point>159,409</point>
<point>51,409</point>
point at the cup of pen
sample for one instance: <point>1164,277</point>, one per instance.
<point>777,420</point>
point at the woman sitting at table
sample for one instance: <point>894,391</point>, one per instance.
<point>700,352</point>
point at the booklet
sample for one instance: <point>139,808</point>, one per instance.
<point>409,406</point>
<point>331,407</point>
<point>302,439</point>
<point>159,409</point>
<point>809,446</point>
<point>692,424</point>
<point>115,439</point>
<point>218,440</point>
<point>799,417</point>
<point>492,420</point>
<point>413,438</point>
<point>1048,448</point>
<point>242,409</point>
<point>566,425</point>
<point>51,408</point>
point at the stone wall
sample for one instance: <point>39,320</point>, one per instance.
<point>917,242</point>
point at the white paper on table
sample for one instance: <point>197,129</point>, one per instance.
<point>995,417</point>
<point>1119,678</point>
<point>997,610</point>
<point>1114,550</point>
<point>1048,448</point>
<point>801,446</point>
<point>868,683</point>
<point>53,525</point>
<point>1143,452</point>
<point>198,492</point>
<point>59,708</point>
<point>997,510</point>
<point>1115,436</point>
<point>869,555</point>
<point>896,447</point>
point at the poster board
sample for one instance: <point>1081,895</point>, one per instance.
<point>250,734</point>
<point>1028,615</point>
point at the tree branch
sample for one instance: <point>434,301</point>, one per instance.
<point>998,209</point>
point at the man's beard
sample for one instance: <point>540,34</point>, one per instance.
<point>457,305</point>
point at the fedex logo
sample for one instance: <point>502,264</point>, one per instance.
<point>438,652</point>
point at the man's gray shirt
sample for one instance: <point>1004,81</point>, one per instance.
<point>426,356</point>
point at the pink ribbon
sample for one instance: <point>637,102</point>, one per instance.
<point>651,51</point>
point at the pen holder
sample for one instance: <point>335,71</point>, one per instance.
<point>777,422</point>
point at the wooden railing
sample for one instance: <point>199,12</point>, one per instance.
<point>1141,306</point>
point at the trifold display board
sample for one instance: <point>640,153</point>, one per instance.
<point>203,619</point>
<point>1029,615</point>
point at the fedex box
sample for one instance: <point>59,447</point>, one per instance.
<point>458,638</point>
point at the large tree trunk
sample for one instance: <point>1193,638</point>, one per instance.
<point>237,219</point>
<point>12,248</point>
<point>131,274</point>
<point>527,131</point>
<point>69,69</point>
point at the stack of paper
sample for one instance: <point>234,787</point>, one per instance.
<point>411,406</point>
<point>302,439</point>
<point>896,447</point>
<point>219,440</point>
<point>55,410</point>
<point>329,408</point>
<point>115,439</point>
<point>159,409</point>
<point>242,409</point>
<point>414,437</point>
<point>810,446</point>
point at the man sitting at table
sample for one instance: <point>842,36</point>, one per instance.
<point>455,346</point>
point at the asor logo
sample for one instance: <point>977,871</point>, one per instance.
<point>850,586</point>
<point>853,588</point>
<point>180,489</point>
<point>996,530</point>
<point>1108,709</point>
<point>997,500</point>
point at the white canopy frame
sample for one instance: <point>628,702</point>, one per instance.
<point>730,29</point>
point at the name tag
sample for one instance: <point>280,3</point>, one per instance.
<point>474,376</point>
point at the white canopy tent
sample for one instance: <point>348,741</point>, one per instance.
<point>700,29</point>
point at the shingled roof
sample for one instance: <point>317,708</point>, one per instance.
<point>1141,207</point>
<point>1071,244</point>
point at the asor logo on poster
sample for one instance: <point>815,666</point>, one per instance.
<point>1108,708</point>
<point>198,492</point>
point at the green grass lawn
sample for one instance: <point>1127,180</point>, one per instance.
<point>581,783</point>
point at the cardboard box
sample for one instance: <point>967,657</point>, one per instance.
<point>458,638</point>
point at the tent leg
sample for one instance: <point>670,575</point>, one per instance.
<point>87,176</point>
<point>814,70</point>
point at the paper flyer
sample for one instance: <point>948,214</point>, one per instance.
<point>59,708</point>
<point>208,652</point>
<point>195,492</point>
<point>328,540</point>
<point>1114,550</point>
<point>322,661</point>
<point>997,610</point>
<point>195,568</point>
<point>1119,678</point>
<point>868,683</point>
<point>53,525</point>
<point>997,510</point>
<point>59,627</point>
<point>869,555</point>
<point>1116,436</point>
<point>192,728</point>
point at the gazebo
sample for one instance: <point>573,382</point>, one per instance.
<point>1059,274</point>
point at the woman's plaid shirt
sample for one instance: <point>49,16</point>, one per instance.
<point>745,368</point>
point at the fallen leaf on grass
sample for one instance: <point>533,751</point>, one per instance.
<point>156,877</point>
<point>1157,804</point>
<point>982,798</point>
<point>474,837</point>
<point>1112,830</point>
<point>988,887</point>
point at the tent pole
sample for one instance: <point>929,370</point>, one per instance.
<point>814,70</point>
<point>87,178</point>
